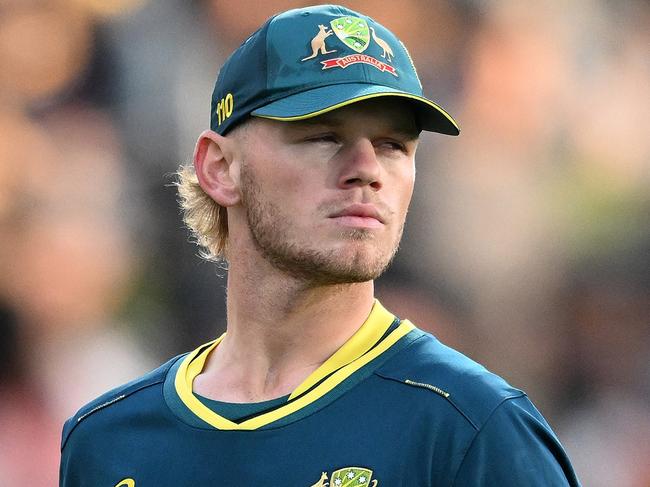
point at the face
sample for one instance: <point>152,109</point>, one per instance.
<point>325,199</point>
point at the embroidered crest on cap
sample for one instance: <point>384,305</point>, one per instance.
<point>355,33</point>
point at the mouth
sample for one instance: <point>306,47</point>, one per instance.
<point>359,215</point>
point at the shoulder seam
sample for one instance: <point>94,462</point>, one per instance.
<point>431,387</point>
<point>105,405</point>
<point>102,406</point>
<point>479,429</point>
<point>124,393</point>
<point>440,392</point>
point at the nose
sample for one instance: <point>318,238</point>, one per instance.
<point>360,166</point>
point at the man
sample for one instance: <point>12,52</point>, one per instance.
<point>302,185</point>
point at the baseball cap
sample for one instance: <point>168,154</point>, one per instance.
<point>305,62</point>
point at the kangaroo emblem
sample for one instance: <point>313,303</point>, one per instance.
<point>322,482</point>
<point>388,52</point>
<point>318,42</point>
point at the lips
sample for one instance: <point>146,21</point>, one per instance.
<point>359,214</point>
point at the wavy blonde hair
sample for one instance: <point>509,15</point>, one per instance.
<point>206,219</point>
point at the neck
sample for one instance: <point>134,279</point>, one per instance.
<point>279,331</point>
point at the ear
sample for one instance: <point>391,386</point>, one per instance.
<point>213,158</point>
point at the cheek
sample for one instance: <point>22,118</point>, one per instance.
<point>291,187</point>
<point>405,182</point>
<point>272,180</point>
<point>289,191</point>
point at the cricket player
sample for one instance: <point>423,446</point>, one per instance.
<point>302,185</point>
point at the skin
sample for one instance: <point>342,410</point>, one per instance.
<point>316,210</point>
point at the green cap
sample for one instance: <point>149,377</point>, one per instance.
<point>308,61</point>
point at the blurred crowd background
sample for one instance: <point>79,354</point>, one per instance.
<point>527,245</point>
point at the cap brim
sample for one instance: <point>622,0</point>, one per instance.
<point>314,102</point>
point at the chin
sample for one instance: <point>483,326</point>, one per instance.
<point>357,265</point>
<point>354,262</point>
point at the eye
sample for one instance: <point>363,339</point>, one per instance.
<point>325,138</point>
<point>392,145</point>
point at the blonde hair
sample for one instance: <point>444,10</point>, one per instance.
<point>205,218</point>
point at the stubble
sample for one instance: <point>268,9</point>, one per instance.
<point>272,233</point>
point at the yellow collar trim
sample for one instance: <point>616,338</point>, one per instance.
<point>365,337</point>
<point>348,359</point>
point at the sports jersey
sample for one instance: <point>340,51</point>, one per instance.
<point>392,407</point>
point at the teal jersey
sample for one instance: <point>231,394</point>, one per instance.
<point>392,407</point>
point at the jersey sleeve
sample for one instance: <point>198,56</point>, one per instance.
<point>515,447</point>
<point>67,475</point>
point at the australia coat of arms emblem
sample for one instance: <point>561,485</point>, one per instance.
<point>348,477</point>
<point>356,34</point>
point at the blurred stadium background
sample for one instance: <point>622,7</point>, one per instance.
<point>527,246</point>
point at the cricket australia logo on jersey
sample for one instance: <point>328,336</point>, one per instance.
<point>348,477</point>
<point>355,34</point>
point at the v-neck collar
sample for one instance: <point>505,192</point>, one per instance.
<point>378,334</point>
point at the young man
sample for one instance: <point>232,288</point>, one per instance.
<point>302,185</point>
